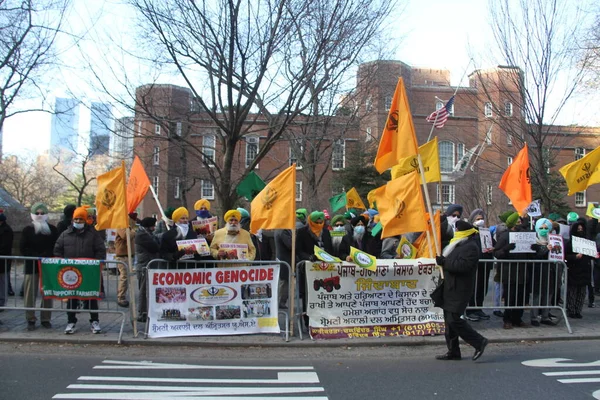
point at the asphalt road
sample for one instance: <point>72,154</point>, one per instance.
<point>506,371</point>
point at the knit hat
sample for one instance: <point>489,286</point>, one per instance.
<point>338,218</point>
<point>302,214</point>
<point>505,215</point>
<point>178,213</point>
<point>572,217</point>
<point>202,203</point>
<point>463,225</point>
<point>148,222</point>
<point>68,210</point>
<point>232,213</point>
<point>243,212</point>
<point>475,213</point>
<point>358,219</point>
<point>39,206</point>
<point>452,208</point>
<point>315,215</point>
<point>511,221</point>
<point>81,212</point>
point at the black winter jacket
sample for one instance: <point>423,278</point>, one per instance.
<point>37,245</point>
<point>84,243</point>
<point>460,268</point>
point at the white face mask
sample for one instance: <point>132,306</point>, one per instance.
<point>339,228</point>
<point>479,223</point>
<point>452,220</point>
<point>39,218</point>
<point>183,228</point>
<point>78,225</point>
<point>359,230</point>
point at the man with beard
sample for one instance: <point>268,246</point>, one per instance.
<point>37,240</point>
<point>358,238</point>
<point>337,233</point>
<point>232,233</point>
<point>179,231</point>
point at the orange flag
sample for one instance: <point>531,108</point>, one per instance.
<point>138,185</point>
<point>402,209</point>
<point>111,202</point>
<point>398,140</point>
<point>275,206</point>
<point>516,181</point>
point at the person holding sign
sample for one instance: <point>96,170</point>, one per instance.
<point>232,233</point>
<point>358,238</point>
<point>477,219</point>
<point>202,209</point>
<point>179,231</point>
<point>543,279</point>
<point>459,261</point>
<point>579,272</point>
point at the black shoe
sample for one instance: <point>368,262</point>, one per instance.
<point>479,352</point>
<point>142,318</point>
<point>482,315</point>
<point>31,325</point>
<point>123,304</point>
<point>471,317</point>
<point>549,322</point>
<point>47,324</point>
<point>535,322</point>
<point>592,305</point>
<point>11,292</point>
<point>448,356</point>
<point>499,314</point>
<point>578,316</point>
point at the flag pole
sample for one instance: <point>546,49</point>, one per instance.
<point>292,294</point>
<point>162,213</point>
<point>132,305</point>
<point>429,209</point>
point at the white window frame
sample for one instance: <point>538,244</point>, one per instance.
<point>579,153</point>
<point>443,156</point>
<point>450,193</point>
<point>451,110</point>
<point>369,104</point>
<point>488,137</point>
<point>207,189</point>
<point>488,110</point>
<point>509,140</point>
<point>155,182</point>
<point>178,128</point>
<point>388,103</point>
<point>509,160</point>
<point>335,158</point>
<point>177,188</point>
<point>580,199</point>
<point>252,141</point>
<point>156,156</point>
<point>508,109</point>
<point>369,134</point>
<point>209,149</point>
<point>139,128</point>
<point>292,159</point>
<point>157,129</point>
<point>460,150</point>
<point>438,105</point>
<point>489,194</point>
<point>298,190</point>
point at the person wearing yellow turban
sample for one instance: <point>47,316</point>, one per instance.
<point>232,233</point>
<point>179,231</point>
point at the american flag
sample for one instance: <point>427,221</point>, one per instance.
<point>439,117</point>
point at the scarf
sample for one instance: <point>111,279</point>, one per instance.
<point>459,237</point>
<point>315,228</point>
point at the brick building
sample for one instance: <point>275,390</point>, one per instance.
<point>485,114</point>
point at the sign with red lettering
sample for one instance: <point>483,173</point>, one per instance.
<point>216,301</point>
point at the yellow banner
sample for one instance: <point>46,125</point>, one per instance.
<point>430,159</point>
<point>275,206</point>
<point>111,200</point>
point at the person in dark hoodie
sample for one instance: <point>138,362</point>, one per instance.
<point>579,272</point>
<point>448,222</point>
<point>67,219</point>
<point>477,219</point>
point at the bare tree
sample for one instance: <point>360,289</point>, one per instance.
<point>28,32</point>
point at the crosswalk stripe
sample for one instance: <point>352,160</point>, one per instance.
<point>282,377</point>
<point>167,396</point>
<point>579,380</point>
<point>210,390</point>
<point>152,365</point>
<point>572,373</point>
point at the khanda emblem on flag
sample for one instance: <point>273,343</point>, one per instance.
<point>527,175</point>
<point>415,164</point>
<point>393,118</point>
<point>400,206</point>
<point>269,196</point>
<point>350,203</point>
<point>109,198</point>
<point>586,167</point>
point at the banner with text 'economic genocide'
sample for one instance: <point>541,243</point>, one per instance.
<point>346,301</point>
<point>64,278</point>
<point>215,301</point>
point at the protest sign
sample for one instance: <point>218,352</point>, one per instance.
<point>234,251</point>
<point>522,241</point>
<point>485,236</point>
<point>70,279</point>
<point>206,226</point>
<point>584,246</point>
<point>325,256</point>
<point>405,249</point>
<point>346,301</point>
<point>558,249</point>
<point>534,209</point>
<point>565,231</point>
<point>193,246</point>
<point>111,252</point>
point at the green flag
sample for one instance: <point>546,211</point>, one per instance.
<point>338,201</point>
<point>250,186</point>
<point>70,279</point>
<point>376,229</point>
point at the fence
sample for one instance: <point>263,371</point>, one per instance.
<point>206,269</point>
<point>106,306</point>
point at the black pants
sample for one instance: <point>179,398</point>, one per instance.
<point>514,295</point>
<point>459,328</point>
<point>481,285</point>
<point>73,304</point>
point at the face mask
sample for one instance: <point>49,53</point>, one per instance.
<point>78,225</point>
<point>543,232</point>
<point>203,213</point>
<point>39,218</point>
<point>233,228</point>
<point>479,223</point>
<point>339,228</point>
<point>184,228</point>
<point>359,230</point>
<point>452,220</point>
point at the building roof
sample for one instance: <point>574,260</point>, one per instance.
<point>7,201</point>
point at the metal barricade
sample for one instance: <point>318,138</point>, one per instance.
<point>535,285</point>
<point>105,306</point>
<point>211,265</point>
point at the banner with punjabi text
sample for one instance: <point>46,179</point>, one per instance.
<point>214,301</point>
<point>345,301</point>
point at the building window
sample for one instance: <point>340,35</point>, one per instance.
<point>156,156</point>
<point>447,194</point>
<point>157,129</point>
<point>580,199</point>
<point>579,153</point>
<point>488,137</point>
<point>178,129</point>
<point>368,104</point>
<point>251,149</point>
<point>299,191</point>
<point>208,190</point>
<point>155,184</point>
<point>447,160</point>
<point>508,109</point>
<point>489,193</point>
<point>369,135</point>
<point>487,109</point>
<point>438,105</point>
<point>509,160</point>
<point>509,139</point>
<point>338,158</point>
<point>388,102</point>
<point>194,104</point>
<point>460,150</point>
<point>139,128</point>
<point>177,188</point>
<point>296,152</point>
<point>208,149</point>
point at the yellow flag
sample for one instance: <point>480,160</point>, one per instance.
<point>593,210</point>
<point>374,195</point>
<point>353,200</point>
<point>582,173</point>
<point>275,206</point>
<point>325,256</point>
<point>398,139</point>
<point>402,209</point>
<point>421,242</point>
<point>111,200</point>
<point>430,159</point>
<point>362,259</point>
<point>405,249</point>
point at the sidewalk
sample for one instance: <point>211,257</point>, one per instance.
<point>14,329</point>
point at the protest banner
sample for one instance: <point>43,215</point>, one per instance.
<point>235,251</point>
<point>584,246</point>
<point>193,246</point>
<point>64,278</point>
<point>220,301</point>
<point>522,241</point>
<point>485,236</point>
<point>206,226</point>
<point>346,301</point>
<point>558,249</point>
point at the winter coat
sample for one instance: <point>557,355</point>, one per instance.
<point>306,242</point>
<point>579,269</point>
<point>283,250</point>
<point>168,243</point>
<point>510,273</point>
<point>6,243</point>
<point>121,242</point>
<point>84,243</point>
<point>146,248</point>
<point>37,245</point>
<point>460,268</point>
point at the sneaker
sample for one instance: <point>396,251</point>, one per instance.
<point>70,329</point>
<point>592,305</point>
<point>123,303</point>
<point>471,317</point>
<point>96,327</point>
<point>31,325</point>
<point>482,315</point>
